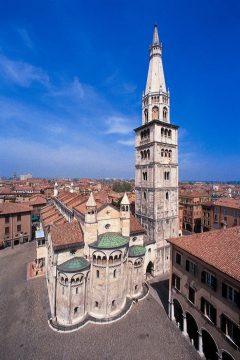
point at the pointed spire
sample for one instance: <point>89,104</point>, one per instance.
<point>91,202</point>
<point>155,36</point>
<point>155,79</point>
<point>125,200</point>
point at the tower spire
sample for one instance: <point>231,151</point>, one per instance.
<point>155,102</point>
<point>155,36</point>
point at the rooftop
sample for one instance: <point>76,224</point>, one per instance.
<point>218,248</point>
<point>228,202</point>
<point>135,226</point>
<point>136,250</point>
<point>67,235</point>
<point>73,265</point>
<point>110,240</point>
<point>14,208</point>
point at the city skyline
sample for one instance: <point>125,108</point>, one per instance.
<point>71,89</point>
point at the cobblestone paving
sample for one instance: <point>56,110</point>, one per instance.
<point>145,333</point>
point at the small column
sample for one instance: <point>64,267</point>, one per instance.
<point>200,344</point>
<point>184,325</point>
<point>172,315</point>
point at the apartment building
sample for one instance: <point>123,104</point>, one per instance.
<point>224,212</point>
<point>192,209</point>
<point>15,224</point>
<point>204,295</point>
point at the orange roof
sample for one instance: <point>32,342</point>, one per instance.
<point>67,235</point>
<point>135,226</point>
<point>37,200</point>
<point>13,208</point>
<point>218,248</point>
<point>228,202</point>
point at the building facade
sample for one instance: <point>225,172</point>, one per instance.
<point>204,297</point>
<point>192,203</point>
<point>15,224</point>
<point>223,213</point>
<point>156,169</point>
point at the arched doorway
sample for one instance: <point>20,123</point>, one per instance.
<point>150,269</point>
<point>210,349</point>
<point>178,313</point>
<point>226,356</point>
<point>192,329</point>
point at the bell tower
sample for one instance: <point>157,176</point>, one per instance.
<point>156,174</point>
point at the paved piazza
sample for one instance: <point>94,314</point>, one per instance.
<point>145,333</point>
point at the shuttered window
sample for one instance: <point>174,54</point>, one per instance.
<point>209,279</point>
<point>230,329</point>
<point>231,294</point>
<point>208,310</point>
<point>191,267</point>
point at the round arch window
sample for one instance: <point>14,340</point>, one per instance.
<point>107,226</point>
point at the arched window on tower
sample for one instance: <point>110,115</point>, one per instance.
<point>165,113</point>
<point>155,113</point>
<point>170,154</point>
<point>146,115</point>
<point>167,195</point>
<point>162,131</point>
<point>162,152</point>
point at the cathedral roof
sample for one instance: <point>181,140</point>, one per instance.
<point>68,235</point>
<point>110,240</point>
<point>136,250</point>
<point>135,226</point>
<point>73,265</point>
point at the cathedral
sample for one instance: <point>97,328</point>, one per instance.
<point>97,256</point>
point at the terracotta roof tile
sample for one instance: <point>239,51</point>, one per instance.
<point>135,226</point>
<point>67,235</point>
<point>218,248</point>
<point>228,202</point>
<point>13,208</point>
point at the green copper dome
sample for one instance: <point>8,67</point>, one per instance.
<point>110,240</point>
<point>136,250</point>
<point>74,265</point>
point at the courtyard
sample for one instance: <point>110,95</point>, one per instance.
<point>144,333</point>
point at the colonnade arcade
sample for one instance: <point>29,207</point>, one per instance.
<point>200,338</point>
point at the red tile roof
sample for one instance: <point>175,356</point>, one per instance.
<point>228,202</point>
<point>67,235</point>
<point>37,200</point>
<point>135,226</point>
<point>13,208</point>
<point>218,248</point>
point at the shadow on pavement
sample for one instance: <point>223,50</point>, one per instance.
<point>161,287</point>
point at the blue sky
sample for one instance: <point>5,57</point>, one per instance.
<point>72,74</point>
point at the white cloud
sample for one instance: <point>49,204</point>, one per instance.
<point>25,38</point>
<point>22,73</point>
<point>129,142</point>
<point>118,125</point>
<point>64,160</point>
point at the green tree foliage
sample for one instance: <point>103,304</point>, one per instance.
<point>121,186</point>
